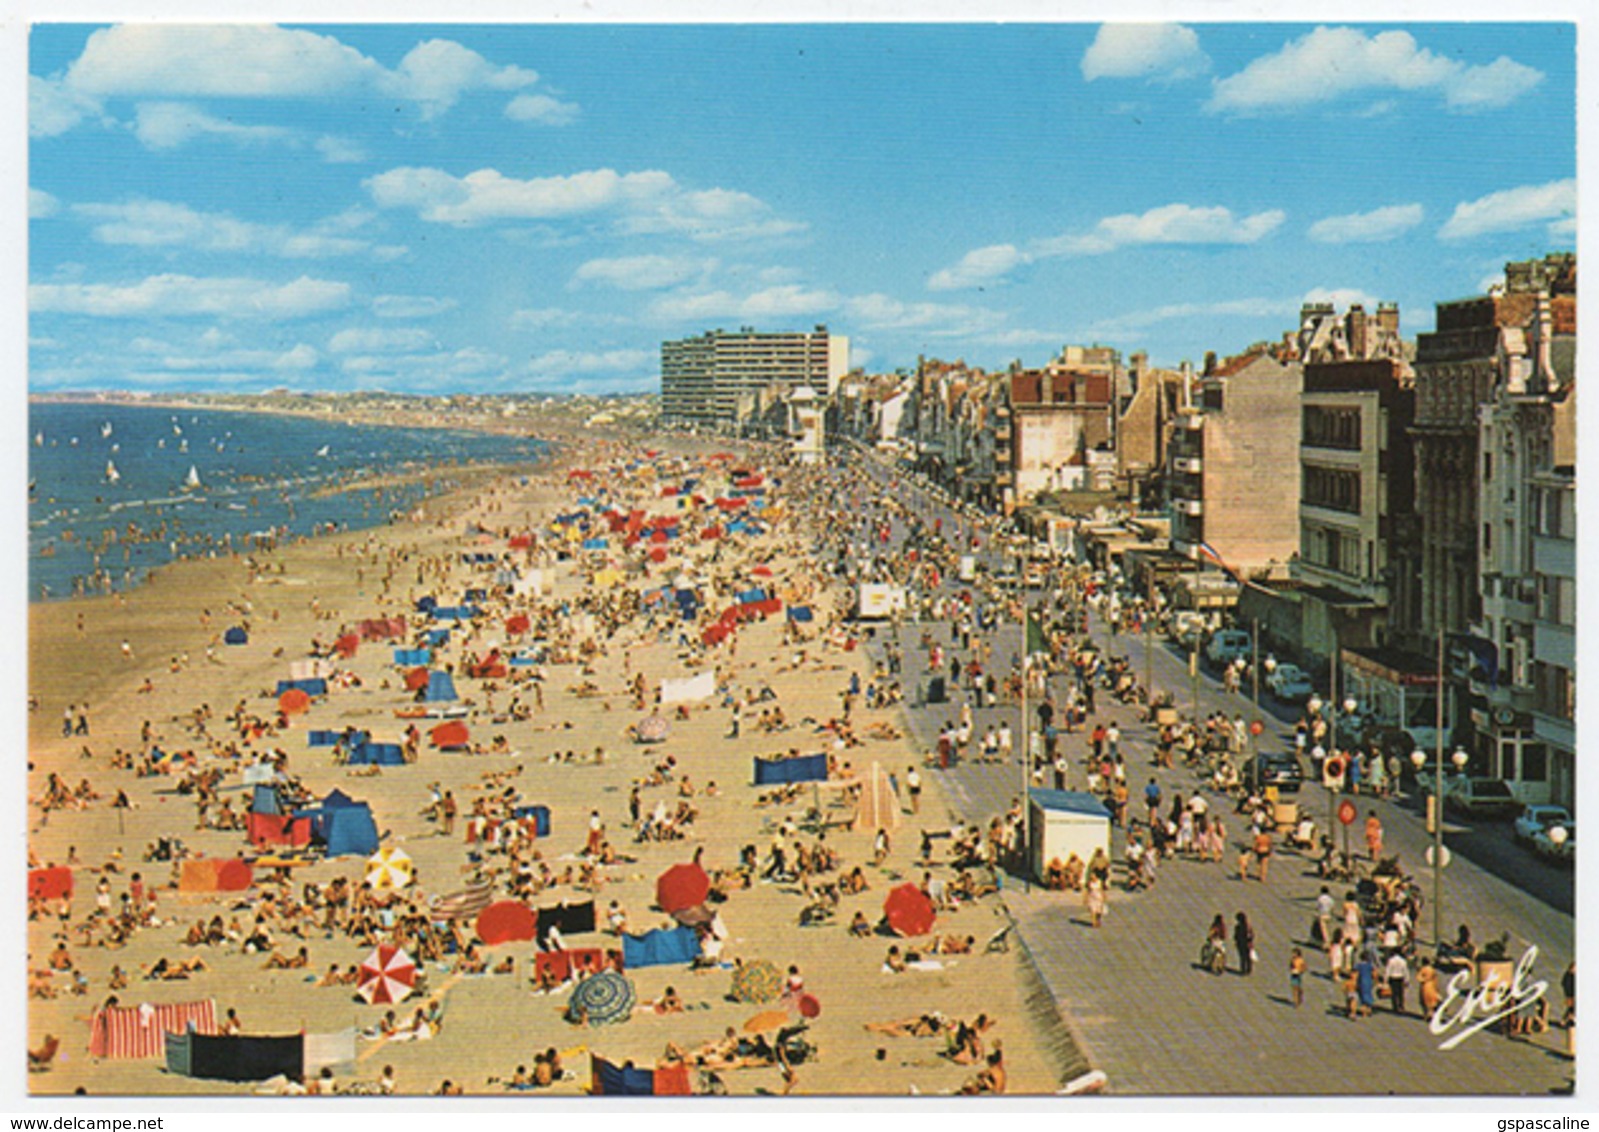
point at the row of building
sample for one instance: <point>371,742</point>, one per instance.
<point>1373,496</point>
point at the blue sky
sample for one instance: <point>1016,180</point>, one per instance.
<point>443,208</point>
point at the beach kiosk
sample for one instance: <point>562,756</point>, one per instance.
<point>1066,822</point>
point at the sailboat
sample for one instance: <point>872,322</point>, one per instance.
<point>191,482</point>
<point>183,446</point>
<point>176,429</point>
<point>38,440</point>
<point>105,430</point>
<point>111,473</point>
<point>323,451</point>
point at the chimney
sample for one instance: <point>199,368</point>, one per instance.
<point>1358,346</point>
<point>1186,371</point>
<point>1545,377</point>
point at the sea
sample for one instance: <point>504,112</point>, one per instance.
<point>116,491</point>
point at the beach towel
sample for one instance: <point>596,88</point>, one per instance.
<point>465,904</point>
<point>610,1080</point>
<point>694,688</point>
<point>660,948</point>
<point>235,1058</point>
<point>410,658</point>
<point>335,1051</point>
<point>568,919</point>
<point>377,754</point>
<point>121,1032</point>
<point>806,768</point>
<point>49,884</point>
<point>538,815</point>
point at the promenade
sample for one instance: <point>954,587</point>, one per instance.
<point>1133,993</point>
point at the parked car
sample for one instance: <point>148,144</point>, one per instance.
<point>1536,819</point>
<point>1280,769</point>
<point>1290,684</point>
<point>1227,646</point>
<point>1564,851</point>
<point>1188,628</point>
<point>1480,797</point>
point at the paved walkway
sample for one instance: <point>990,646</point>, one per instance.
<point>1146,1014</point>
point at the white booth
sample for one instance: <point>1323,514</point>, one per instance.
<point>1066,822</point>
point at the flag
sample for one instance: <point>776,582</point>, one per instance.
<point>1035,635</point>
<point>1210,553</point>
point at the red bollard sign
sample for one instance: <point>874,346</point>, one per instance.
<point>1346,812</point>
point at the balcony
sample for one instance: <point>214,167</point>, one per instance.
<point>1188,506</point>
<point>1192,465</point>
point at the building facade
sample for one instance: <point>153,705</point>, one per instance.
<point>1356,503</point>
<point>711,379</point>
<point>1234,457</point>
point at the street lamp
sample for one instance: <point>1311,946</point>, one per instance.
<point>1435,818</point>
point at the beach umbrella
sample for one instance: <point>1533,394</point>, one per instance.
<point>761,572</point>
<point>450,734</point>
<point>517,623</point>
<point>682,886</point>
<point>603,999</point>
<point>294,701</point>
<point>909,911</point>
<point>652,729</point>
<point>388,975</point>
<point>416,679</point>
<point>759,981</point>
<point>346,645</point>
<point>506,921</point>
<point>808,1005</point>
<point>766,1020</point>
<point>390,868</point>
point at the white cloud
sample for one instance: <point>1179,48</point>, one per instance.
<point>558,363</point>
<point>434,74</point>
<point>542,109</point>
<point>1132,321</point>
<point>979,266</point>
<point>339,151</point>
<point>642,272</point>
<point>411,306</point>
<point>1510,209</point>
<point>157,224</point>
<point>784,301</point>
<point>54,108</point>
<point>41,204</point>
<point>883,312</point>
<point>645,202</point>
<point>1167,225</point>
<point>179,296</point>
<point>168,125</point>
<point>1330,63</point>
<point>378,340</point>
<point>298,359</point>
<point>1160,52</point>
<point>1367,227</point>
<point>556,318</point>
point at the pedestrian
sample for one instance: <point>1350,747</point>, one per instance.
<point>1094,899</point>
<point>1244,941</point>
<point>66,722</point>
<point>1373,835</point>
<point>1296,977</point>
<point>1262,850</point>
<point>448,807</point>
<point>1152,800</point>
<point>1427,988</point>
<point>1324,907</point>
<point>913,783</point>
<point>1397,972</point>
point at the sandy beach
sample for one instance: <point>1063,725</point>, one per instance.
<point>297,600</point>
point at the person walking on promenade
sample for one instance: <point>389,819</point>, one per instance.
<point>1094,899</point>
<point>1397,972</point>
<point>1373,835</point>
<point>1296,977</point>
<point>1427,987</point>
<point>1324,908</point>
<point>1262,850</point>
<point>913,783</point>
<point>1244,941</point>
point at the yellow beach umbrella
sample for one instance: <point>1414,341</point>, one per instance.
<point>389,868</point>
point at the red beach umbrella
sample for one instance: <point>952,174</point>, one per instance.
<point>682,886</point>
<point>294,701</point>
<point>518,623</point>
<point>416,679</point>
<point>506,921</point>
<point>909,911</point>
<point>451,734</point>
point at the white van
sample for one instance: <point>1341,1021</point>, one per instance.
<point>1227,646</point>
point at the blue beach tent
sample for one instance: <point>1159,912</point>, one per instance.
<point>236,636</point>
<point>441,688</point>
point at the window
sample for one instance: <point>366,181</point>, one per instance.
<point>1557,600</point>
<point>1337,489</point>
<point>1487,467</point>
<point>1487,538</point>
<point>1554,689</point>
<point>1557,518</point>
<point>1534,763</point>
<point>1326,426</point>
